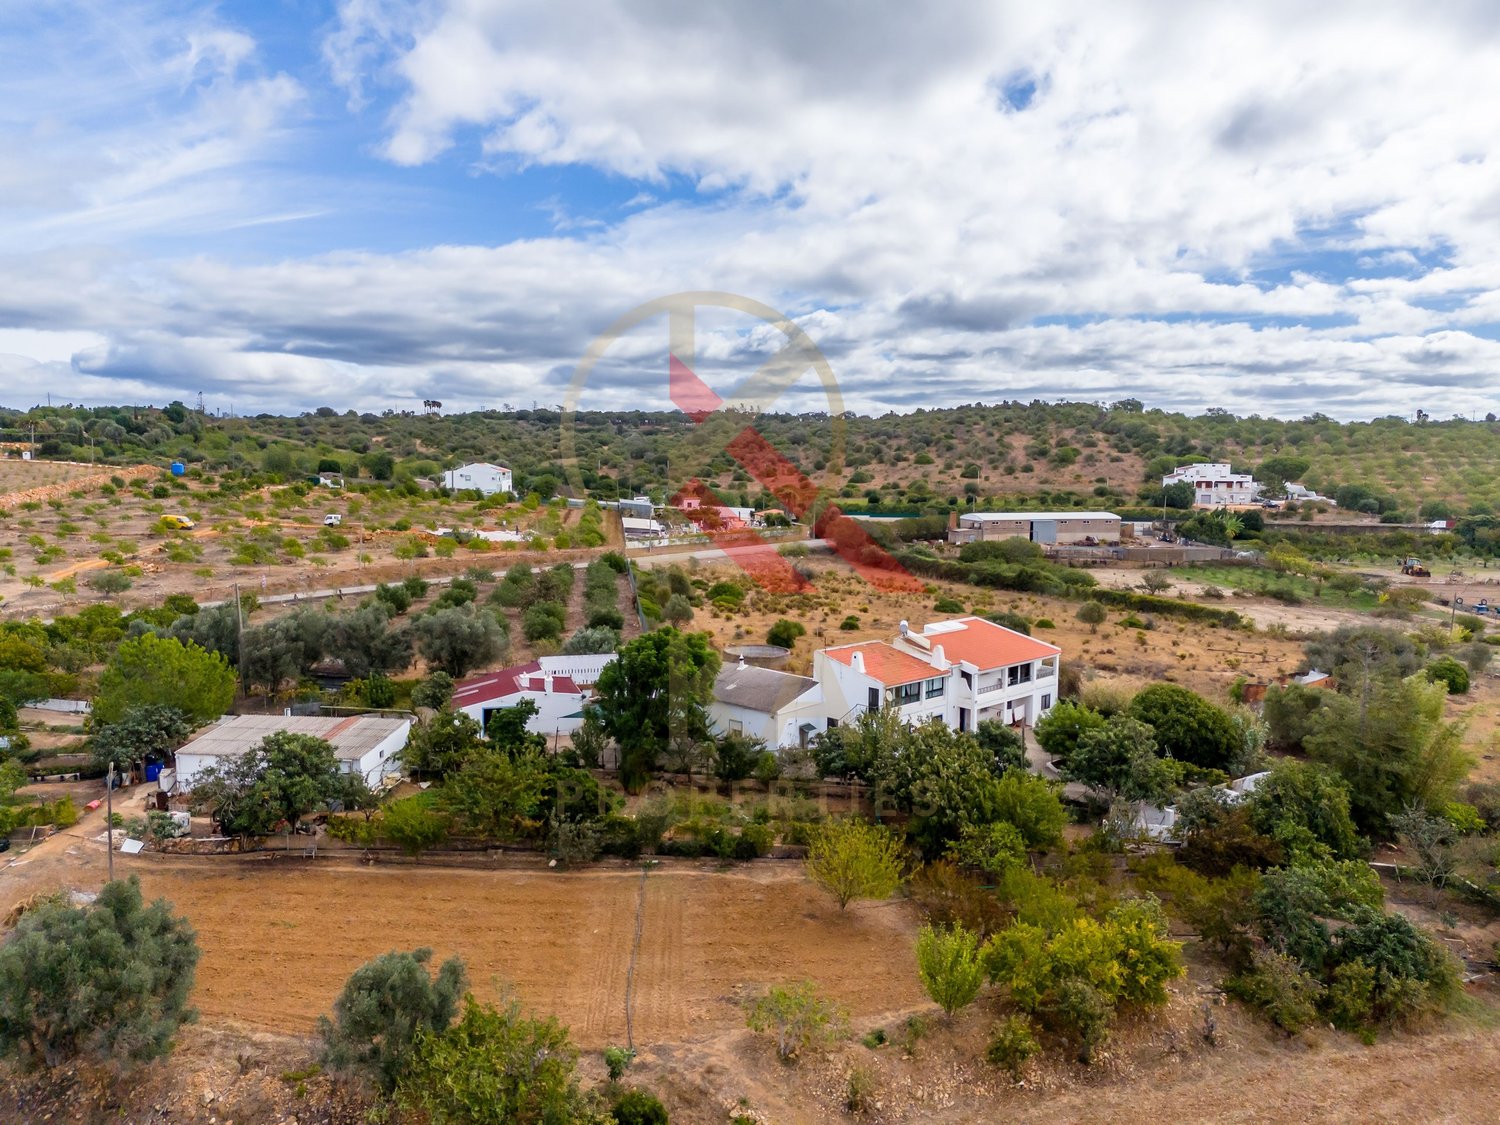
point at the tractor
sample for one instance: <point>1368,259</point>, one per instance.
<point>1413,568</point>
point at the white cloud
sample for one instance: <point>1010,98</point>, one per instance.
<point>1270,207</point>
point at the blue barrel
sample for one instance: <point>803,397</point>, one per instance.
<point>153,771</point>
<point>179,469</point>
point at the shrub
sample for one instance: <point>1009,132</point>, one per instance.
<point>992,848</point>
<point>617,1060</point>
<point>1448,671</point>
<point>949,966</point>
<point>946,896</point>
<point>109,981</point>
<point>1279,988</point>
<point>495,1067</point>
<point>638,1107</point>
<point>1012,1043</point>
<point>1031,804</point>
<point>385,1006</point>
<point>850,623</point>
<point>797,1018</point>
<point>785,633</point>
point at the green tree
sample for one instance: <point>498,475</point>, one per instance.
<point>275,784</point>
<point>1120,760</point>
<point>383,1006</point>
<point>1305,808</point>
<point>366,645</point>
<point>735,756</point>
<point>1188,727</point>
<point>1059,730</point>
<point>108,981</point>
<point>1003,743</point>
<point>591,639</point>
<point>797,1018</point>
<point>496,1066</point>
<point>1391,745</point>
<point>851,859</point>
<point>440,746</point>
<point>678,610</point>
<point>413,826</point>
<point>157,670</point>
<point>499,796</point>
<point>1031,805</point>
<point>509,729</point>
<point>949,965</point>
<point>1092,614</point>
<point>992,848</point>
<point>149,731</point>
<point>435,691</point>
<point>658,685</point>
<point>459,639</point>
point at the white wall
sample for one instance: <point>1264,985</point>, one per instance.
<point>487,479</point>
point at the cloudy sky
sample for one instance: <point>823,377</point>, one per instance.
<point>1274,207</point>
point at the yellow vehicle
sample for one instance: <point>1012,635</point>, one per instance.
<point>179,523</point>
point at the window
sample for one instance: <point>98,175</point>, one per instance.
<point>906,693</point>
<point>1046,702</point>
<point>1019,674</point>
<point>873,702</point>
<point>934,687</point>
<point>833,724</point>
<point>736,727</point>
<point>968,679</point>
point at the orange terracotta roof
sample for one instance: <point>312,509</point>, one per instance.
<point>987,645</point>
<point>885,664</point>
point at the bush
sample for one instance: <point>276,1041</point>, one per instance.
<point>785,633</point>
<point>993,848</point>
<point>385,1006</point>
<point>1012,1043</point>
<point>797,1018</point>
<point>495,1067</point>
<point>109,981</point>
<point>1279,988</point>
<point>1448,671</point>
<point>637,1107</point>
<point>1031,804</point>
<point>949,966</point>
<point>617,1060</point>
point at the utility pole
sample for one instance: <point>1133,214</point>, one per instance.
<point>239,636</point>
<point>109,820</point>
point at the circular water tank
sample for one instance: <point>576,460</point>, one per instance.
<point>766,656</point>
<point>179,469</point>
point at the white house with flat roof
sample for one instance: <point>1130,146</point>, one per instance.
<point>487,479</point>
<point>1215,484</point>
<point>1047,528</point>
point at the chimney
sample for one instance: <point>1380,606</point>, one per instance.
<point>938,658</point>
<point>857,662</point>
<point>547,683</point>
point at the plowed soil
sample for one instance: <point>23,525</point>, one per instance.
<point>280,936</point>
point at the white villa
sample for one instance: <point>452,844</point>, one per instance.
<point>1215,485</point>
<point>962,672</point>
<point>488,479</point>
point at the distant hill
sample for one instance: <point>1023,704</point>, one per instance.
<point>1053,454</point>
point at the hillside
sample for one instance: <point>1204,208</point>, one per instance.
<point>1063,454</point>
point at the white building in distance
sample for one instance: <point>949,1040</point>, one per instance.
<point>1214,484</point>
<point>487,479</point>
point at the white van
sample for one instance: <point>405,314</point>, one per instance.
<point>332,519</point>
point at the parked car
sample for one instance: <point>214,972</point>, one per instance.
<point>332,519</point>
<point>181,523</point>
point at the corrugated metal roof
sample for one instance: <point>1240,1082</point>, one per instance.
<point>1005,517</point>
<point>351,736</point>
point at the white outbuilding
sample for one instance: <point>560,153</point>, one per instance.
<point>485,478</point>
<point>369,745</point>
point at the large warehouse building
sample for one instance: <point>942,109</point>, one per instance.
<point>1047,528</point>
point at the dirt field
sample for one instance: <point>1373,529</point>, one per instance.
<point>279,937</point>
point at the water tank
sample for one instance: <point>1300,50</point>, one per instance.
<point>179,469</point>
